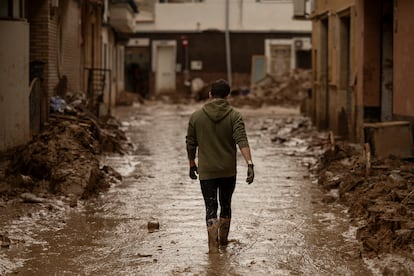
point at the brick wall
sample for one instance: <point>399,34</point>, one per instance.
<point>39,37</point>
<point>71,48</point>
<point>52,56</point>
<point>45,40</point>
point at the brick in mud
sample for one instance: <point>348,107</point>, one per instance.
<point>153,226</point>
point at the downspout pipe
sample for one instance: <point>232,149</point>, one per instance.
<point>227,38</point>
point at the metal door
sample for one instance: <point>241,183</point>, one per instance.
<point>165,69</point>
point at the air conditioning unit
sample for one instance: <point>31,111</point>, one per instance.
<point>298,44</point>
<point>299,8</point>
<point>303,44</point>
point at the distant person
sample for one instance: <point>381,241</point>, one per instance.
<point>215,130</point>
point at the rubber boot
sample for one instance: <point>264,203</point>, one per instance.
<point>212,229</point>
<point>224,230</point>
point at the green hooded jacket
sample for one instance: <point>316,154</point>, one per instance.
<point>215,130</point>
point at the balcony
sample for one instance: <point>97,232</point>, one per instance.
<point>122,14</point>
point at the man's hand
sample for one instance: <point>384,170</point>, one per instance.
<point>193,172</point>
<point>250,174</point>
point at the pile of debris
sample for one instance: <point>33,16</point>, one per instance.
<point>62,159</point>
<point>379,194</point>
<point>288,90</point>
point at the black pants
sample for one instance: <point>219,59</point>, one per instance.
<point>225,187</point>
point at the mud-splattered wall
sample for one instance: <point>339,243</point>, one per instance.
<point>404,58</point>
<point>14,83</point>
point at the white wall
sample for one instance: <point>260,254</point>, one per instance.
<point>122,18</point>
<point>14,84</point>
<point>245,15</point>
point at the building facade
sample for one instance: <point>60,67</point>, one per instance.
<point>176,41</point>
<point>14,75</point>
<point>361,65</point>
<point>54,48</point>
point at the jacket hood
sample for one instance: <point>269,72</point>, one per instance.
<point>217,110</point>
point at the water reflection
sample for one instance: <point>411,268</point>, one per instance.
<point>220,264</point>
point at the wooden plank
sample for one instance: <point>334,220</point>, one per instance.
<point>386,124</point>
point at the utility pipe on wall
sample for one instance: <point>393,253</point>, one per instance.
<point>227,38</point>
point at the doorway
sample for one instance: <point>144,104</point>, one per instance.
<point>165,64</point>
<point>280,59</point>
<point>137,70</point>
<point>387,42</point>
<point>345,90</point>
<point>304,59</point>
<point>323,93</point>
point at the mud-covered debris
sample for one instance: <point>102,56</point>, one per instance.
<point>199,89</point>
<point>153,226</point>
<point>63,159</point>
<point>72,200</point>
<point>288,90</point>
<point>31,198</point>
<point>26,180</point>
<point>382,203</point>
<point>5,241</point>
<point>144,255</point>
<point>128,98</point>
<point>112,173</point>
<point>298,135</point>
<point>291,130</point>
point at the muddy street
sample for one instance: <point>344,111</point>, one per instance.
<point>280,224</point>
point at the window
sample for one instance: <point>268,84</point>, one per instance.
<point>12,9</point>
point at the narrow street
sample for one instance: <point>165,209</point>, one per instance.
<point>95,100</point>
<point>280,225</point>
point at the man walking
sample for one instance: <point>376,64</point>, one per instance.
<point>215,130</point>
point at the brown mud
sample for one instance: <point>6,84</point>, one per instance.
<point>289,89</point>
<point>152,222</point>
<point>380,200</point>
<point>58,167</point>
<point>62,160</point>
<point>301,216</point>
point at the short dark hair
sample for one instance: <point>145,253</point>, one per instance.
<point>220,89</point>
